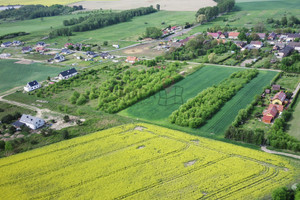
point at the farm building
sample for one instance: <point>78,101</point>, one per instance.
<point>67,74</point>
<point>33,85</point>
<point>279,98</point>
<point>132,59</point>
<point>32,122</point>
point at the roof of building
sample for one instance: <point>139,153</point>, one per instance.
<point>286,50</point>
<point>68,72</point>
<point>18,124</point>
<point>279,107</point>
<point>213,34</point>
<point>33,83</point>
<point>294,35</point>
<point>26,48</point>
<point>272,110</point>
<point>267,118</point>
<point>233,34</point>
<point>131,58</point>
<point>276,87</point>
<point>256,43</point>
<point>294,44</point>
<point>272,35</point>
<point>28,119</point>
<point>261,35</point>
<point>9,42</point>
<point>280,96</point>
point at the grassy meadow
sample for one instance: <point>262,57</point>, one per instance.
<point>13,74</point>
<point>42,2</point>
<point>124,34</point>
<point>293,124</point>
<point>154,110</point>
<point>142,161</point>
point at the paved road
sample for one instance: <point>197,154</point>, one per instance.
<point>264,148</point>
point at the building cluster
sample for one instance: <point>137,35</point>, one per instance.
<point>170,30</point>
<point>276,106</point>
<point>11,44</point>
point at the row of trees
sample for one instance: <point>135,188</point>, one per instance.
<point>196,111</point>
<point>249,136</point>
<point>125,89</point>
<point>209,13</point>
<point>292,22</point>
<point>12,35</point>
<point>100,20</point>
<point>36,11</point>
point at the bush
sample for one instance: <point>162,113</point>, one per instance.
<point>66,118</point>
<point>2,145</point>
<point>81,100</point>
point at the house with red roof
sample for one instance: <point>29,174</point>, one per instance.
<point>267,119</point>
<point>262,36</point>
<point>257,44</point>
<point>132,59</point>
<point>213,35</point>
<point>233,35</point>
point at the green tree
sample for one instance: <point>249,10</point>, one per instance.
<point>153,32</point>
<point>8,146</point>
<point>201,18</point>
<point>242,36</point>
<point>66,118</point>
<point>105,43</point>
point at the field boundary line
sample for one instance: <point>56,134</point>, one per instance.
<point>264,148</point>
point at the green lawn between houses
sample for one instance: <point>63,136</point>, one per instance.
<point>13,74</point>
<point>149,109</point>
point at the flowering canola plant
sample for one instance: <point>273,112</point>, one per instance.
<point>142,161</point>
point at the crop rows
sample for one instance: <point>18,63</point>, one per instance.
<point>141,161</point>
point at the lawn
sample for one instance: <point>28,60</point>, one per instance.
<point>142,161</point>
<point>12,109</point>
<point>13,74</point>
<point>153,109</point>
<point>289,81</point>
<point>124,34</point>
<point>294,124</point>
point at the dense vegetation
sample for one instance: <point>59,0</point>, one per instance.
<point>209,13</point>
<point>36,11</point>
<point>284,22</point>
<point>196,111</point>
<point>99,20</point>
<point>291,63</point>
<point>12,35</point>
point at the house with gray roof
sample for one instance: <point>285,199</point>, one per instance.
<point>32,122</point>
<point>67,74</point>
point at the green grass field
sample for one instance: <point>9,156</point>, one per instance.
<point>12,109</point>
<point>13,74</point>
<point>294,124</point>
<point>150,110</point>
<point>123,34</point>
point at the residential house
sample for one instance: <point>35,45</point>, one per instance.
<point>276,87</point>
<point>223,35</point>
<point>32,122</point>
<point>262,36</point>
<point>295,45</point>
<point>67,74</point>
<point>278,45</point>
<point>18,125</point>
<point>40,44</point>
<point>270,113</point>
<point>257,44</point>
<point>184,41</point>
<point>272,36</point>
<point>106,56</point>
<point>5,55</point>
<point>40,49</point>
<point>26,49</point>
<point>33,85</point>
<point>66,51</point>
<point>291,37</point>
<point>173,28</point>
<point>282,37</point>
<point>248,47</point>
<point>287,50</point>
<point>267,119</point>
<point>16,43</point>
<point>6,44</point>
<point>233,35</point>
<point>132,59</point>
<point>240,44</point>
<point>91,54</point>
<point>213,35</point>
<point>59,58</point>
<point>279,98</point>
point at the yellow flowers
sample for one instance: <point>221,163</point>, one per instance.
<point>142,161</point>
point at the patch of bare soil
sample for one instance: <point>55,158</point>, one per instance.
<point>171,5</point>
<point>139,128</point>
<point>190,163</point>
<point>25,62</point>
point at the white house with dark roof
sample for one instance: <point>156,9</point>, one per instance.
<point>67,74</point>
<point>26,49</point>
<point>59,58</point>
<point>33,85</point>
<point>32,122</point>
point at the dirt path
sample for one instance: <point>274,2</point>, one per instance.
<point>264,148</point>
<point>296,91</point>
<point>42,113</point>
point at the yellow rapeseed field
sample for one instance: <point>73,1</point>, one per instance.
<point>142,161</point>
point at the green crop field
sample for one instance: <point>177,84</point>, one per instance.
<point>221,120</point>
<point>150,109</point>
<point>13,74</point>
<point>123,34</point>
<point>250,12</point>
<point>143,161</point>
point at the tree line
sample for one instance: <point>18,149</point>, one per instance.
<point>99,20</point>
<point>209,13</point>
<point>196,111</point>
<point>36,11</point>
<point>291,63</point>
